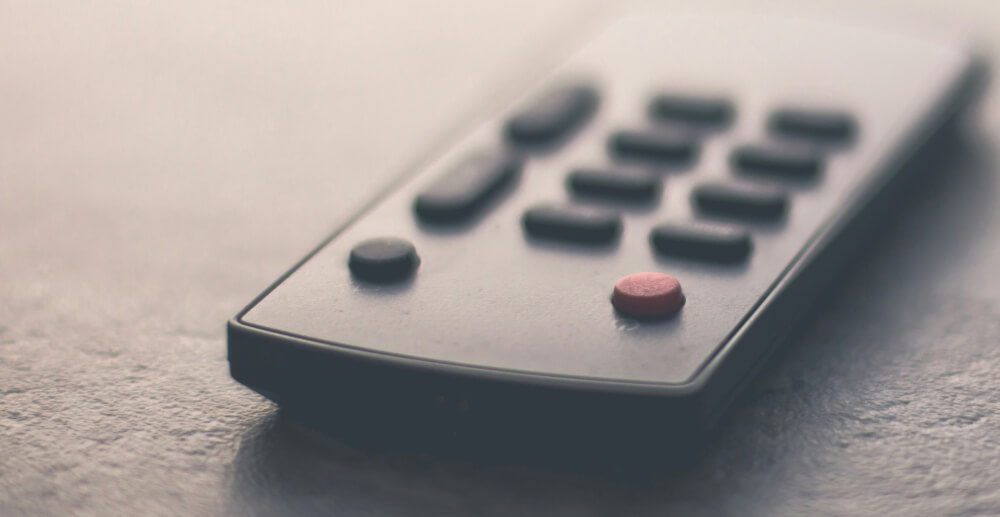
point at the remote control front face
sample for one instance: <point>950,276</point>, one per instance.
<point>747,146</point>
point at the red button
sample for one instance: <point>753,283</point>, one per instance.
<point>648,294</point>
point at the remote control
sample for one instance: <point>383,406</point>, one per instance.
<point>609,258</point>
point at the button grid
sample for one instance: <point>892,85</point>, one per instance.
<point>753,195</point>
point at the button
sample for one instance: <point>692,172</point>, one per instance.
<point>647,294</point>
<point>829,126</point>
<point>571,223</point>
<point>614,185</point>
<point>741,200</point>
<point>703,241</point>
<point>385,259</point>
<point>464,191</point>
<point>661,147</point>
<point>785,162</point>
<point>692,110</point>
<point>553,115</point>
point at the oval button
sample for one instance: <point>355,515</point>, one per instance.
<point>384,259</point>
<point>648,294</point>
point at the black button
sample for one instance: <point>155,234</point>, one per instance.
<point>385,259</point>
<point>614,185</point>
<point>691,110</point>
<point>465,189</point>
<point>661,147</point>
<point>572,223</point>
<point>741,200</point>
<point>553,115</point>
<point>700,240</point>
<point>787,162</point>
<point>829,126</point>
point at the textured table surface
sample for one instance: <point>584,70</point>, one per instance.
<point>161,162</point>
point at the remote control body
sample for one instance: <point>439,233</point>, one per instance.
<point>500,327</point>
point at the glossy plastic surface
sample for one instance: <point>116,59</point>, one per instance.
<point>489,301</point>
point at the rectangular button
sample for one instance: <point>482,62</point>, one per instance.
<point>585,225</point>
<point>656,147</point>
<point>553,115</point>
<point>690,110</point>
<point>786,162</point>
<point>832,126</point>
<point>614,185</point>
<point>703,241</point>
<point>739,199</point>
<point>464,191</point>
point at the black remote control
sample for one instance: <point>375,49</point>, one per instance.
<point>610,258</point>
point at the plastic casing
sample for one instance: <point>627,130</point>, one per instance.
<point>506,339</point>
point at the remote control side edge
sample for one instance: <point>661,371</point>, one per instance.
<point>838,245</point>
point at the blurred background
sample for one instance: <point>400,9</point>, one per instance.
<point>162,162</point>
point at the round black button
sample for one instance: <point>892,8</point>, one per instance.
<point>385,259</point>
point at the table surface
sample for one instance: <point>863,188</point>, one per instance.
<point>161,162</point>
